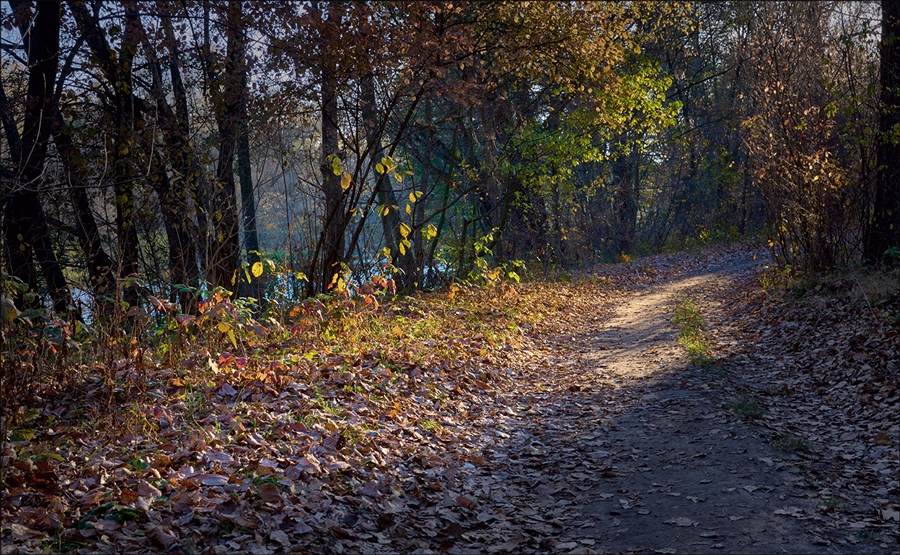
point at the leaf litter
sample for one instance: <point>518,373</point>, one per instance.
<point>487,436</point>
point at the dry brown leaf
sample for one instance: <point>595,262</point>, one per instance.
<point>681,521</point>
<point>508,545</point>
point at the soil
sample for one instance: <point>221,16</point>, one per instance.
<point>634,449</point>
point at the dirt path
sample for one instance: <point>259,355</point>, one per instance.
<point>635,450</point>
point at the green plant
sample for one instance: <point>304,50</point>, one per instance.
<point>746,408</point>
<point>691,334</point>
<point>867,536</point>
<point>789,443</point>
<point>429,425</point>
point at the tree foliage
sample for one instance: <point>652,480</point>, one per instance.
<point>169,149</point>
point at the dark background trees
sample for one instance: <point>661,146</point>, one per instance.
<point>166,149</point>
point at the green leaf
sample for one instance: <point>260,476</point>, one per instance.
<point>31,415</point>
<point>23,434</point>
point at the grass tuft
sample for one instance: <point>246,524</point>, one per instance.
<point>691,334</point>
<point>746,408</point>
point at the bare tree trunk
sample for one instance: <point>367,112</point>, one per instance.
<point>26,234</point>
<point>625,175</point>
<point>390,220</point>
<point>98,263</point>
<point>332,239</point>
<point>174,194</point>
<point>226,246</point>
<point>884,231</point>
<point>245,175</point>
<point>124,174</point>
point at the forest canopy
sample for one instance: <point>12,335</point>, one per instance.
<point>156,153</point>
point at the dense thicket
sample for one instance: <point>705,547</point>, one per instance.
<point>160,150</point>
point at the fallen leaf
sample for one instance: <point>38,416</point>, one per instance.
<point>146,489</point>
<point>161,538</point>
<point>270,493</point>
<point>681,521</point>
<point>882,438</point>
<point>218,456</point>
<point>211,479</point>
<point>107,525</point>
<point>790,511</point>
<point>509,545</point>
<point>280,537</point>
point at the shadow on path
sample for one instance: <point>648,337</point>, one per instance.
<point>634,449</point>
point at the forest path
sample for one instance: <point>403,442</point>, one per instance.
<point>628,447</point>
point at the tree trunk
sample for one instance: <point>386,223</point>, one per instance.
<point>226,246</point>
<point>625,173</point>
<point>332,239</point>
<point>174,193</point>
<point>124,173</point>
<point>25,229</point>
<point>884,232</point>
<point>98,263</point>
<point>248,199</point>
<point>390,220</point>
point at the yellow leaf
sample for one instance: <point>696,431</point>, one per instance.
<point>404,230</point>
<point>397,330</point>
<point>232,338</point>
<point>379,168</point>
<point>408,210</point>
<point>402,248</point>
<point>8,310</point>
<point>223,327</point>
<point>345,181</point>
<point>256,269</point>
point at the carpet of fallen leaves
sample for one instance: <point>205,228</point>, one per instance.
<point>351,432</point>
<point>331,434</point>
<point>821,358</point>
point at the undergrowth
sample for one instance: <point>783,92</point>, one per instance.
<point>691,333</point>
